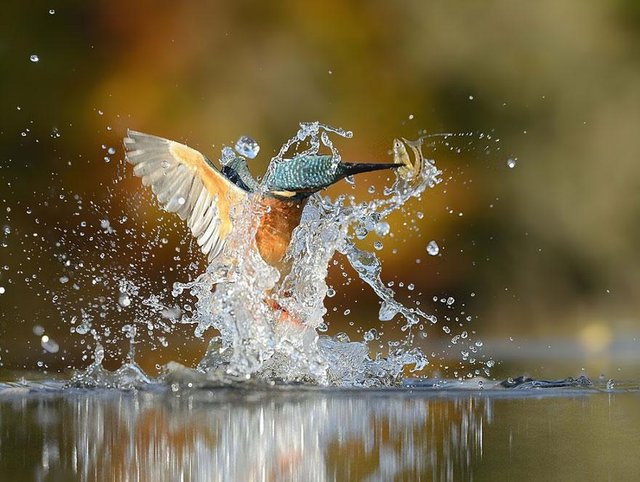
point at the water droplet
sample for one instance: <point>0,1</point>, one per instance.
<point>38,330</point>
<point>491,363</point>
<point>432,248</point>
<point>49,345</point>
<point>610,384</point>
<point>470,97</point>
<point>124,300</point>
<point>111,151</point>
<point>181,201</point>
<point>247,147</point>
<point>64,279</point>
<point>34,58</point>
<point>378,245</point>
<point>331,292</point>
<point>83,328</point>
<point>511,163</point>
<point>382,228</point>
<point>371,335</point>
<point>52,12</point>
<point>2,290</point>
<point>450,300</point>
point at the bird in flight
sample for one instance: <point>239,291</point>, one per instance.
<point>189,184</point>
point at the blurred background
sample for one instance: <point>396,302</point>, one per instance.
<point>536,217</point>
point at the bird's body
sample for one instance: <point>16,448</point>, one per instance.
<point>188,183</point>
<point>276,228</point>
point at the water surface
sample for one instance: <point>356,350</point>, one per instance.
<point>246,432</point>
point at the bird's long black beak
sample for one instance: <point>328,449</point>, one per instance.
<point>351,168</point>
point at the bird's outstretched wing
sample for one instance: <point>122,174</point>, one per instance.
<point>187,183</point>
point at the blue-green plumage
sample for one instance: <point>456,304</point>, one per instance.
<point>301,175</point>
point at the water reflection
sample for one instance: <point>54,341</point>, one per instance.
<point>231,434</point>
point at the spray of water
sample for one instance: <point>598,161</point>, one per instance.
<point>235,293</point>
<point>268,325</point>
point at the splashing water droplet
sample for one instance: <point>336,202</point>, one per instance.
<point>34,58</point>
<point>432,248</point>
<point>371,335</point>
<point>124,300</point>
<point>382,228</point>
<point>49,345</point>
<point>361,232</point>
<point>252,339</point>
<point>387,312</point>
<point>248,147</point>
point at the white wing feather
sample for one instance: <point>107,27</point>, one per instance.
<point>185,183</point>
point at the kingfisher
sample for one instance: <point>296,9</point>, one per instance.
<point>189,184</point>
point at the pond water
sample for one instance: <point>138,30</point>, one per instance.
<point>452,431</point>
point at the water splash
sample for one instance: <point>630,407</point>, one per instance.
<point>239,299</point>
<point>253,339</point>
